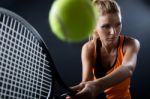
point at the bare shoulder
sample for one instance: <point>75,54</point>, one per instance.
<point>88,50</point>
<point>131,42</point>
<point>89,46</point>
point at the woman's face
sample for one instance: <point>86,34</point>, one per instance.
<point>109,27</point>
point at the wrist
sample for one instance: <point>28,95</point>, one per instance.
<point>99,85</point>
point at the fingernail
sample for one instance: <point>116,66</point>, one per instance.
<point>67,97</point>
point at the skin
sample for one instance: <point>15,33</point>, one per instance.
<point>108,28</point>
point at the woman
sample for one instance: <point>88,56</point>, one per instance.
<point>109,58</point>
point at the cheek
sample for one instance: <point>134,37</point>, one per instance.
<point>102,34</point>
<point>119,29</point>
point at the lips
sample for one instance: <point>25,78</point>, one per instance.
<point>111,38</point>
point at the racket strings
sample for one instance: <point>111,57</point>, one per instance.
<point>24,70</point>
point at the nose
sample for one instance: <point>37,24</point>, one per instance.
<point>113,31</point>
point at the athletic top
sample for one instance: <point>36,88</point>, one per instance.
<point>121,90</point>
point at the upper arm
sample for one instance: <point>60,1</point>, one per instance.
<point>87,57</point>
<point>130,56</point>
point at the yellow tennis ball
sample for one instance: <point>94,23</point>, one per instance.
<point>72,20</point>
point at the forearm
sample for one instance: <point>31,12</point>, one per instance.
<point>86,78</point>
<point>87,75</point>
<point>117,76</point>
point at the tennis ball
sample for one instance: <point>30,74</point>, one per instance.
<point>72,20</point>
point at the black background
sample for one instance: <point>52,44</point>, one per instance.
<point>67,57</point>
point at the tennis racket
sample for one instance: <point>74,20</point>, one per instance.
<point>27,70</point>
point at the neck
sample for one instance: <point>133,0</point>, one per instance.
<point>110,46</point>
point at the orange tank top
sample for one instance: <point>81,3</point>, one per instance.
<point>121,90</point>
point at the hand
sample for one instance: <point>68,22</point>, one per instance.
<point>85,90</point>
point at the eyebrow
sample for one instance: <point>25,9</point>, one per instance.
<point>106,24</point>
<point>119,22</point>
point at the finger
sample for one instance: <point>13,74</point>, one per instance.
<point>73,97</point>
<point>68,97</point>
<point>77,88</point>
<point>83,92</point>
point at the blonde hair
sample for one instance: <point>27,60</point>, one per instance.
<point>104,7</point>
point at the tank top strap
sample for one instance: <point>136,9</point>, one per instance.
<point>98,68</point>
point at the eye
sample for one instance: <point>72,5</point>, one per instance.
<point>118,24</point>
<point>106,26</point>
